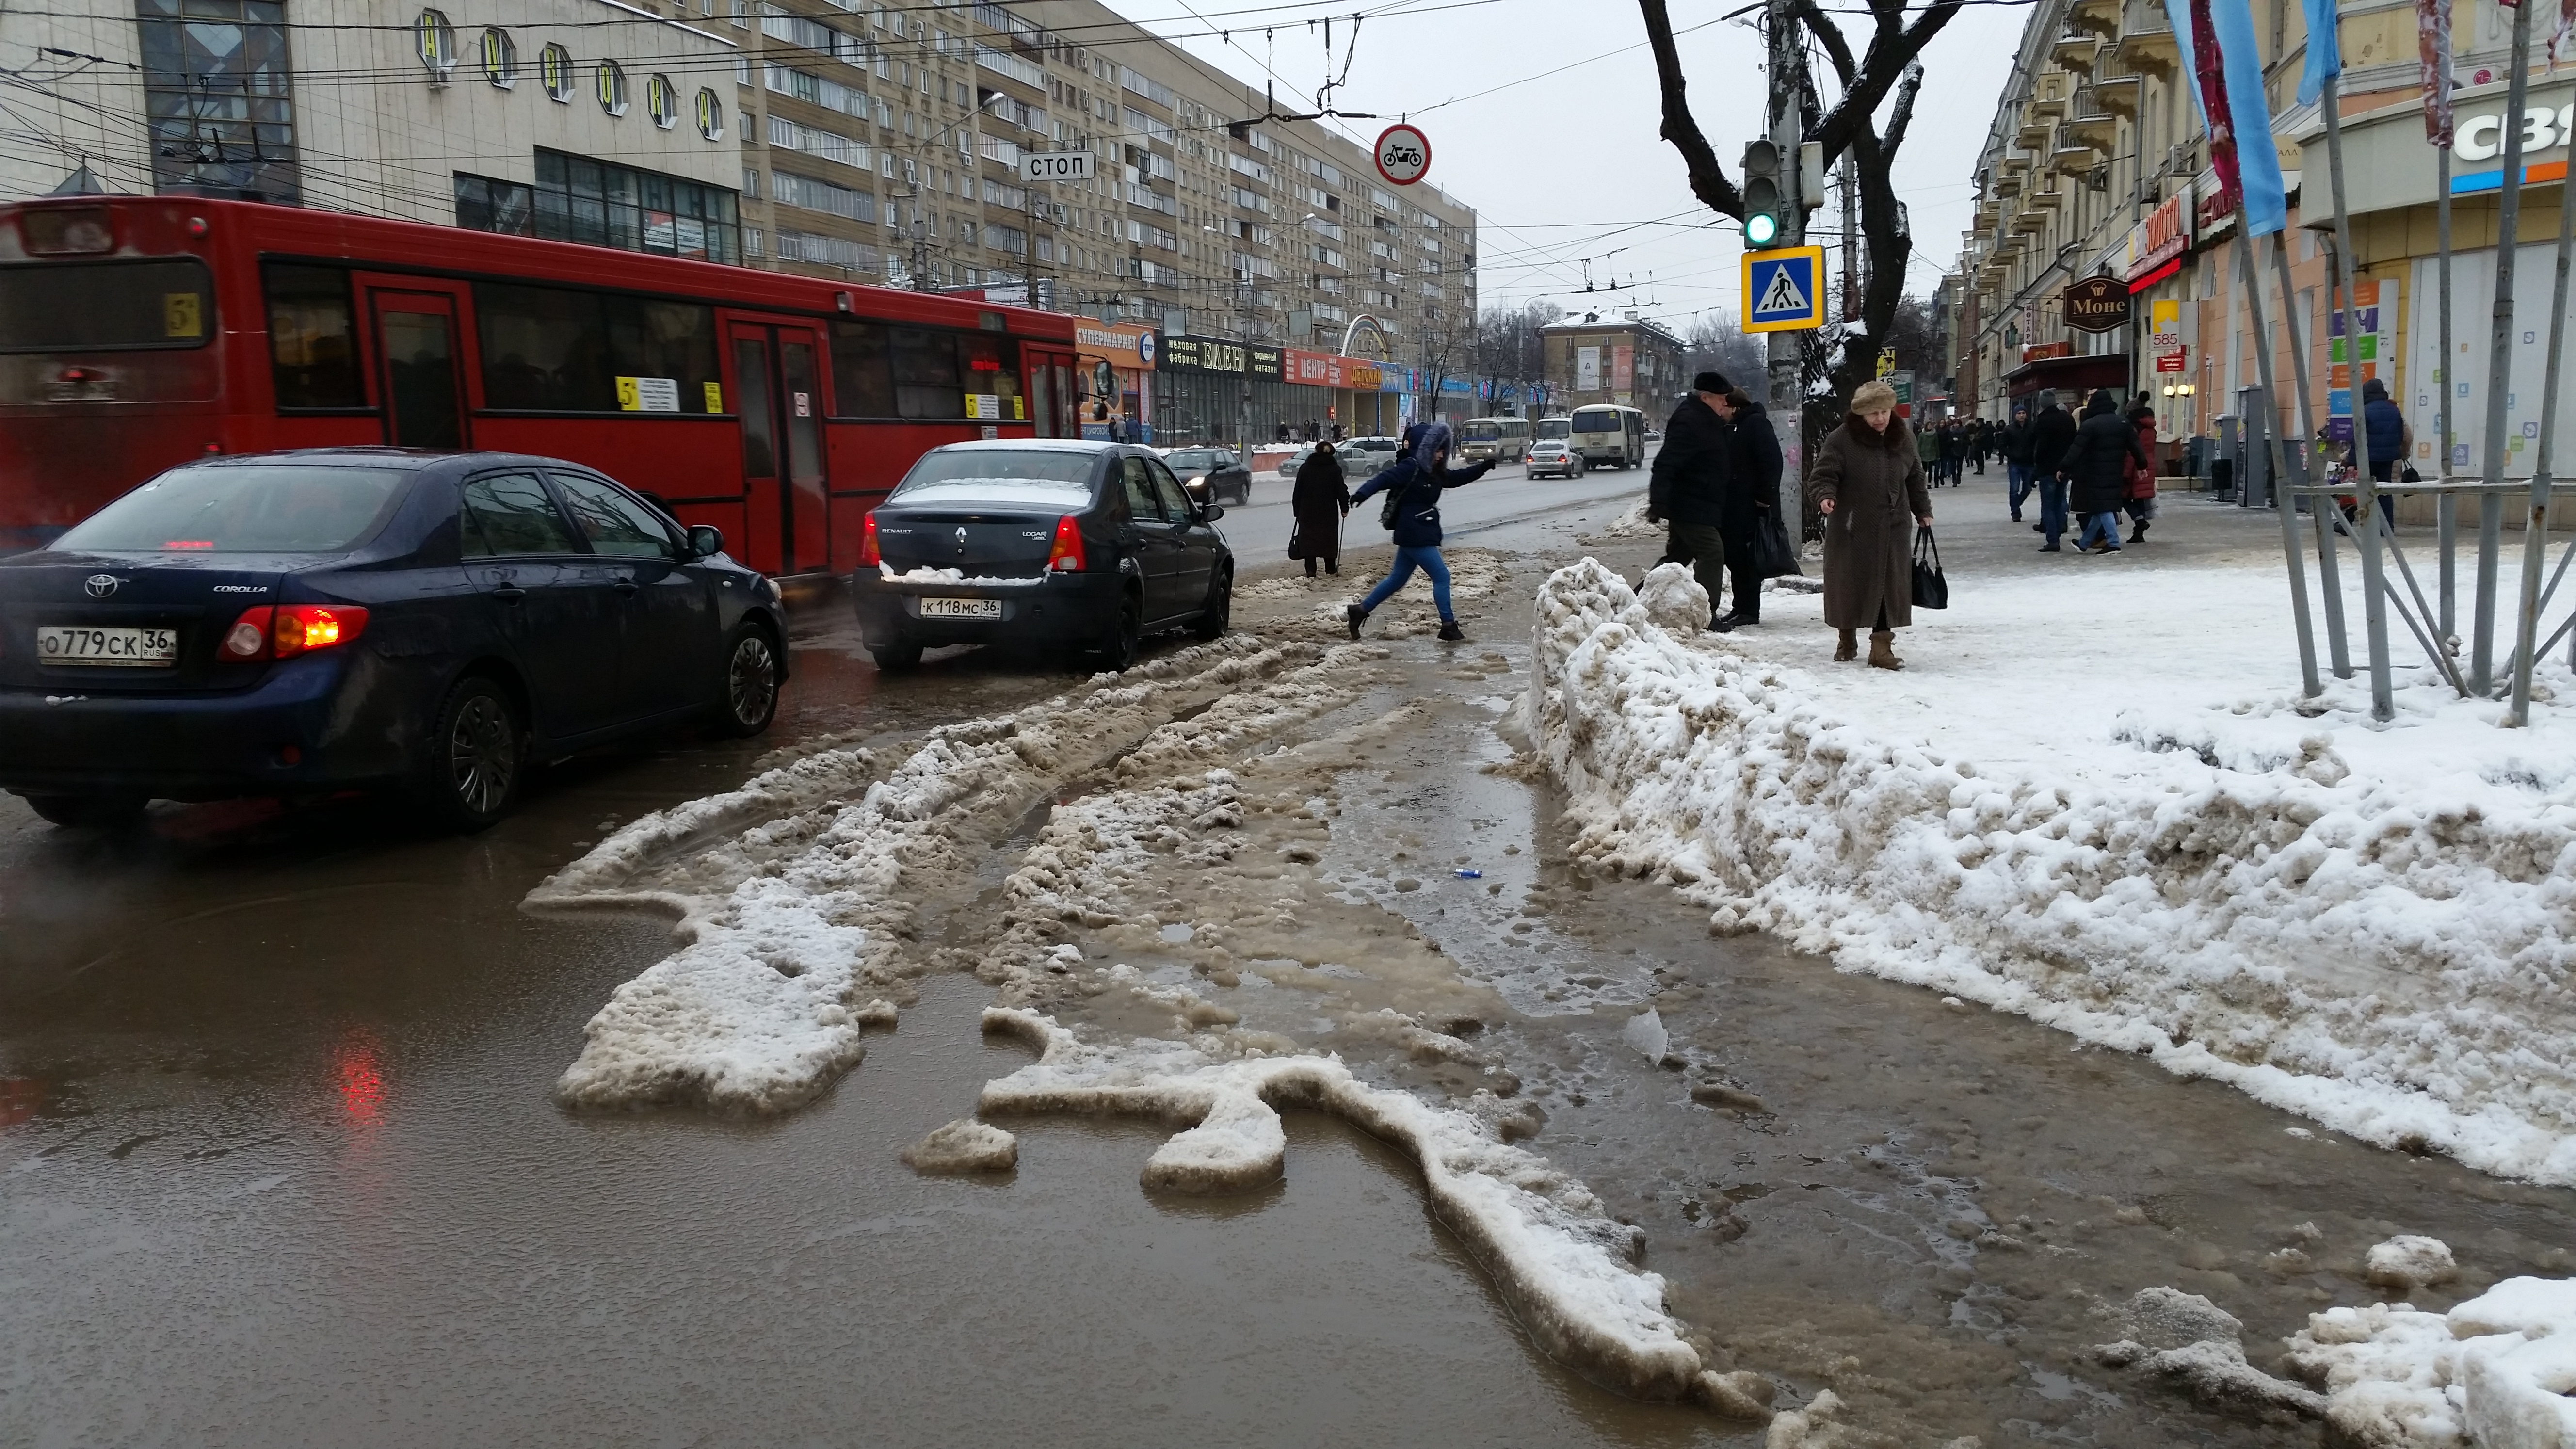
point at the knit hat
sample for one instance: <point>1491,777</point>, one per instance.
<point>1711,382</point>
<point>1873,396</point>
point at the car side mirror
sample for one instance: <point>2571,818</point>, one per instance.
<point>705,540</point>
<point>1211,512</point>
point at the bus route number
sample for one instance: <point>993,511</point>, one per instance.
<point>1403,154</point>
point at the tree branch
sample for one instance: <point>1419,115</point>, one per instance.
<point>1828,35</point>
<point>1903,115</point>
<point>1708,179</point>
<point>1892,49</point>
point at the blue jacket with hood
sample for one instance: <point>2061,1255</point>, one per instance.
<point>1417,509</point>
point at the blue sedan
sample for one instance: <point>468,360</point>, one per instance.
<point>357,618</point>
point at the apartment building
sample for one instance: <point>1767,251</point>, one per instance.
<point>1589,357</point>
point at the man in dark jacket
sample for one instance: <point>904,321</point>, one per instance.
<point>2051,431</point>
<point>2014,443</point>
<point>1687,491</point>
<point>1417,479</point>
<point>2096,467</point>
<point>2384,429</point>
<point>1753,467</point>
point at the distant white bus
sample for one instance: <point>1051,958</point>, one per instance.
<point>1559,426</point>
<point>1505,440</point>
<point>1611,435</point>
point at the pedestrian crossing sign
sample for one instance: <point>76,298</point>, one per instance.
<point>1783,290</point>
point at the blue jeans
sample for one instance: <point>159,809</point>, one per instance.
<point>2052,506</point>
<point>1406,561</point>
<point>2019,474</point>
<point>2104,527</point>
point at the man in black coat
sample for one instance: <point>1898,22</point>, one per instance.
<point>1687,490</point>
<point>2096,468</point>
<point>2050,434</point>
<point>1753,468</point>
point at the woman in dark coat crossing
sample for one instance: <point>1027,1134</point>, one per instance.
<point>1868,482</point>
<point>1321,499</point>
<point>2097,472</point>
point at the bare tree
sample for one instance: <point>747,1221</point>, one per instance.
<point>1507,343</point>
<point>1719,344</point>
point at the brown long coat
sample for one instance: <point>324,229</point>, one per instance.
<point>1876,482</point>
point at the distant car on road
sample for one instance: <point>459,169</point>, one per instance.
<point>1289,465</point>
<point>1554,458</point>
<point>1214,475</point>
<point>1366,457</point>
<point>336,618</point>
<point>1077,544</point>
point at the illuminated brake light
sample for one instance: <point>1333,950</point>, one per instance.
<point>868,556</point>
<point>1065,557</point>
<point>189,545</point>
<point>285,630</point>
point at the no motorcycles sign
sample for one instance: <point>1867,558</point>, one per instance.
<point>1403,154</point>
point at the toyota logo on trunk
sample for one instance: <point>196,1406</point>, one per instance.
<point>99,586</point>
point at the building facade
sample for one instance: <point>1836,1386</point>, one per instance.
<point>1590,358</point>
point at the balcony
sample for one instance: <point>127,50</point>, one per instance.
<point>2146,40</point>
<point>2076,52</point>
<point>2117,95</point>
<point>2102,17</point>
<point>2090,126</point>
<point>2034,133</point>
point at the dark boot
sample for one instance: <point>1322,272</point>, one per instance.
<point>1310,568</point>
<point>1722,623</point>
<point>1448,630</point>
<point>1355,616</point>
<point>1332,565</point>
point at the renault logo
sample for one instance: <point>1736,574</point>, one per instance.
<point>99,586</point>
<point>961,536</point>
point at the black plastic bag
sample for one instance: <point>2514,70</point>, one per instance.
<point>1773,555</point>
<point>1931,590</point>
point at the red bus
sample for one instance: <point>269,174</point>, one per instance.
<point>138,332</point>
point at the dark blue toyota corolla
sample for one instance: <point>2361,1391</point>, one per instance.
<point>349,618</point>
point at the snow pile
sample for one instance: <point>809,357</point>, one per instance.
<point>1564,1266</point>
<point>962,1146</point>
<point>925,574</point>
<point>1674,599</point>
<point>2367,926</point>
<point>2497,1372</point>
<point>2185,1337</point>
<point>2408,1261</point>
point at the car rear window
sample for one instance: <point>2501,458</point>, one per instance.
<point>243,508</point>
<point>1006,475</point>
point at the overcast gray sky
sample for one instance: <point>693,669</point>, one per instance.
<point>1559,153</point>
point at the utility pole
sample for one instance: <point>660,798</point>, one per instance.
<point>1786,401</point>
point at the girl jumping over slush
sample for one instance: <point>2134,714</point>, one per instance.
<point>1416,479</point>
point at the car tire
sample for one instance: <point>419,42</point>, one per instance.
<point>478,756</point>
<point>1118,647</point>
<point>87,812</point>
<point>895,658</point>
<point>751,680</point>
<point>1217,615</point>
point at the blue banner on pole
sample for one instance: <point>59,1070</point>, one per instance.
<point>2178,15</point>
<point>2258,156</point>
<point>2325,51</point>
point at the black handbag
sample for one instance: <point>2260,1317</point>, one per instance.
<point>1773,555</point>
<point>1931,590</point>
<point>1296,541</point>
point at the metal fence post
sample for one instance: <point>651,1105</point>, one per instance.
<point>2446,505</point>
<point>2500,364</point>
<point>2374,600</point>
<point>2535,537</point>
<point>2285,502</point>
<point>2329,569</point>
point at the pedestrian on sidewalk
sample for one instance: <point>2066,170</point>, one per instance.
<point>1754,465</point>
<point>1687,491</point>
<point>1984,429</point>
<point>2052,431</point>
<point>1954,450</point>
<point>2097,471</point>
<point>2141,500</point>
<point>1417,480</point>
<point>2389,438</point>
<point>1927,447</point>
<point>1321,499</point>
<point>2016,451</point>
<point>1868,483</point>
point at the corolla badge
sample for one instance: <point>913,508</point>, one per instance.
<point>99,586</point>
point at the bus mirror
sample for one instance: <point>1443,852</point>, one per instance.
<point>705,540</point>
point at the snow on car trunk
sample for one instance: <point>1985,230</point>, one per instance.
<point>2367,925</point>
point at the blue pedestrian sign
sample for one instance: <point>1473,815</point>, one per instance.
<point>1784,290</point>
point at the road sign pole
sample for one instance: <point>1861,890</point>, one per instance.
<point>1788,416</point>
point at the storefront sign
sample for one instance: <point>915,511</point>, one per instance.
<point>2175,361</point>
<point>2045,350</point>
<point>1123,346</point>
<point>1331,369</point>
<point>1587,369</point>
<point>1263,362</point>
<point>1204,354</point>
<point>2096,304</point>
<point>2163,236</point>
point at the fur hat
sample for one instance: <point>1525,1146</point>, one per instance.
<point>1712,382</point>
<point>1873,396</point>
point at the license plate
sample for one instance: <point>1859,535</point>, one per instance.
<point>110,648</point>
<point>961,608</point>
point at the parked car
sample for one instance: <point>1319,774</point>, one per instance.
<point>1083,544</point>
<point>1289,465</point>
<point>1365,457</point>
<point>1213,475</point>
<point>340,618</point>
<point>1553,458</point>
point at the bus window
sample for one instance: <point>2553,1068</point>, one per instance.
<point>983,361</point>
<point>312,348</point>
<point>106,306</point>
<point>552,349</point>
<point>862,382</point>
<point>670,340</point>
<point>925,374</point>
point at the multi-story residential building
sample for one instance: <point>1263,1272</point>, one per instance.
<point>1618,358</point>
<point>2094,186</point>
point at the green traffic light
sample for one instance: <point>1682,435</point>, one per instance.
<point>1761,230</point>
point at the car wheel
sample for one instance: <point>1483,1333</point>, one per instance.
<point>895,658</point>
<point>478,754</point>
<point>76,812</point>
<point>750,683</point>
<point>1218,614</point>
<point>1117,649</point>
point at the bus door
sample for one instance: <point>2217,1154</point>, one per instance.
<point>1051,394</point>
<point>778,394</point>
<point>415,325</point>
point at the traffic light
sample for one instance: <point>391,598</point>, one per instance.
<point>1764,202</point>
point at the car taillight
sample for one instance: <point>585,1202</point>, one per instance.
<point>282,631</point>
<point>868,557</point>
<point>1065,556</point>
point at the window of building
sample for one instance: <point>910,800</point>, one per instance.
<point>662,102</point>
<point>554,72</point>
<point>435,41</point>
<point>612,88</point>
<point>500,58</point>
<point>312,342</point>
<point>555,349</point>
<point>710,115</point>
<point>604,204</point>
<point>483,204</point>
<point>219,99</point>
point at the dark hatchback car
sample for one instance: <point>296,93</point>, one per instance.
<point>1085,545</point>
<point>1212,475</point>
<point>302,623</point>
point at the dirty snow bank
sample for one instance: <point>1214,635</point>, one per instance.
<point>2494,1373</point>
<point>1565,1267</point>
<point>2367,926</point>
